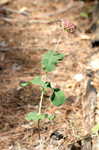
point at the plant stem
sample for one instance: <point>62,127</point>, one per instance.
<point>60,37</point>
<point>40,107</point>
<point>41,99</point>
<point>39,135</point>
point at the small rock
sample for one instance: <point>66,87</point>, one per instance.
<point>3,44</point>
<point>94,64</point>
<point>79,77</point>
<point>56,135</point>
<point>16,67</point>
<point>95,43</point>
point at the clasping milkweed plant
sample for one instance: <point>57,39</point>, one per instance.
<point>48,63</point>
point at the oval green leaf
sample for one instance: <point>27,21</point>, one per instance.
<point>58,97</point>
<point>33,116</point>
<point>50,59</point>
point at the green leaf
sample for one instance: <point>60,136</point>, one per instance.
<point>50,59</point>
<point>58,97</point>
<point>23,84</point>
<point>37,80</point>
<point>33,116</point>
<point>95,129</point>
<point>51,117</point>
<point>84,14</point>
<point>48,85</point>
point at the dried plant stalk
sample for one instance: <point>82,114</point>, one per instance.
<point>89,105</point>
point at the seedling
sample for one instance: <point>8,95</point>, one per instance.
<point>57,98</point>
<point>49,62</point>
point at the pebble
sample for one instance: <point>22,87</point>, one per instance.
<point>79,77</point>
<point>94,64</point>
